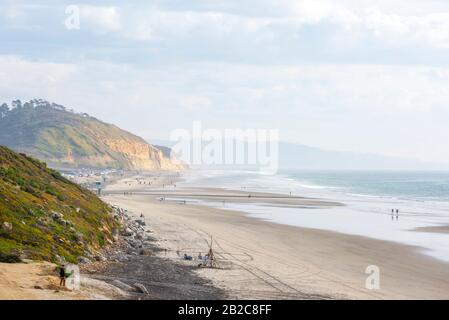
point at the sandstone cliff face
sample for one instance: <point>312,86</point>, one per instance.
<point>139,155</point>
<point>64,138</point>
<point>142,155</point>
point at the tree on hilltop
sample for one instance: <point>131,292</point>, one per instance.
<point>4,109</point>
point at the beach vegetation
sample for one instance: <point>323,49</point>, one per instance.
<point>44,216</point>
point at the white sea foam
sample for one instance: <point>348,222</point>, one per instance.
<point>363,214</point>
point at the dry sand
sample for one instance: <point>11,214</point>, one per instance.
<point>21,281</point>
<point>261,260</point>
<point>39,281</point>
<point>256,259</point>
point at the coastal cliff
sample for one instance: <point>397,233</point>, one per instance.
<point>63,138</point>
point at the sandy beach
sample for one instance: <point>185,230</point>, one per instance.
<point>39,281</point>
<point>256,259</point>
<point>263,260</point>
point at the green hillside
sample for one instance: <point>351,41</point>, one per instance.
<point>62,138</point>
<point>42,214</point>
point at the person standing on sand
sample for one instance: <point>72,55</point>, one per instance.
<point>62,276</point>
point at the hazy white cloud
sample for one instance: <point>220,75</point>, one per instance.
<point>392,28</point>
<point>100,18</point>
<point>11,13</point>
<point>366,75</point>
<point>23,78</point>
<point>431,28</point>
<point>286,31</point>
<point>195,102</point>
<point>387,109</point>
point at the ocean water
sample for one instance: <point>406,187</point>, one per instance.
<point>422,199</point>
<point>419,186</point>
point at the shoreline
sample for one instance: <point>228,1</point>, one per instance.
<point>256,259</point>
<point>274,261</point>
<point>444,229</point>
<point>344,218</point>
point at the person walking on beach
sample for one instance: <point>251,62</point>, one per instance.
<point>62,276</point>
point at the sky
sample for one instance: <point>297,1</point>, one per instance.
<point>355,75</point>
